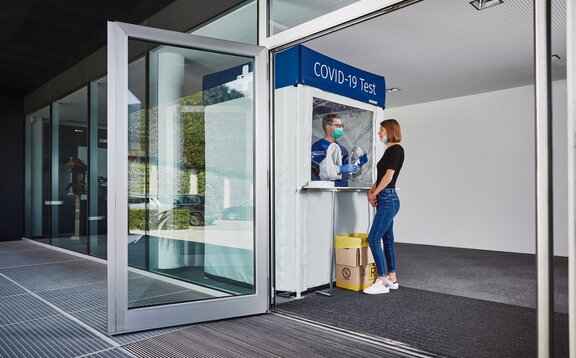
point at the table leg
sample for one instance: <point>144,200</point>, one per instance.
<point>332,253</point>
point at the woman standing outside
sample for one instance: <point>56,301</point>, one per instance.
<point>383,196</point>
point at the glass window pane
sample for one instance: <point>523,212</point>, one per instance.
<point>98,177</point>
<point>137,163</point>
<point>238,25</point>
<point>37,218</point>
<point>190,176</point>
<point>285,14</point>
<point>69,156</point>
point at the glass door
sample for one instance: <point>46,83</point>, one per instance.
<point>69,168</point>
<point>187,188</point>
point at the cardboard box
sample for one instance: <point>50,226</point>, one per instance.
<point>355,278</point>
<point>352,240</point>
<point>354,257</point>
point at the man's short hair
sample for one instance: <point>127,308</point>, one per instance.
<point>327,120</point>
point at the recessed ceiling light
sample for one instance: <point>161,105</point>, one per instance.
<point>484,4</point>
<point>393,89</point>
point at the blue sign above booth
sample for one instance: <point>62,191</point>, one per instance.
<point>300,65</point>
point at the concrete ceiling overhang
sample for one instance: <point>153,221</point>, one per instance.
<point>434,49</point>
<point>39,39</point>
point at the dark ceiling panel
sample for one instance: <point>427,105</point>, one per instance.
<point>40,39</point>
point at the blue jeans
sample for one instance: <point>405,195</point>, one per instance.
<point>383,230</point>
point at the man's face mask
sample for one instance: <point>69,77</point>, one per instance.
<point>338,132</point>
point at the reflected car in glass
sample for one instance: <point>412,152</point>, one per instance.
<point>141,201</point>
<point>194,203</point>
<point>242,211</point>
<point>197,205</point>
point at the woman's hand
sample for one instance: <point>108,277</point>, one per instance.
<point>372,199</point>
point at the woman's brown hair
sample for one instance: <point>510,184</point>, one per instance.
<point>393,131</point>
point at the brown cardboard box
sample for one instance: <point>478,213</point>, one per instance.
<point>354,256</point>
<point>355,278</point>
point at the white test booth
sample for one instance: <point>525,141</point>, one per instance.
<point>309,85</point>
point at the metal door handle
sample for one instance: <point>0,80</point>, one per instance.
<point>54,202</point>
<point>96,218</point>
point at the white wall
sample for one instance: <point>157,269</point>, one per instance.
<point>469,175</point>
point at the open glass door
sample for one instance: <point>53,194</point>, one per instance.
<point>188,205</point>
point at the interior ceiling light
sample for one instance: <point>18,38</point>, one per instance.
<point>393,89</point>
<point>484,4</point>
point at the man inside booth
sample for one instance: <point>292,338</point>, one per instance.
<point>330,158</point>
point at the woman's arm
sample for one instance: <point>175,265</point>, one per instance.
<point>386,179</point>
<point>378,187</point>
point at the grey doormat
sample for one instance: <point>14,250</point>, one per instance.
<point>266,336</point>
<point>443,324</point>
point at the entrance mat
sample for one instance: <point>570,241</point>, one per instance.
<point>447,325</point>
<point>267,335</point>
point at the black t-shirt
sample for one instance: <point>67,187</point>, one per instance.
<point>393,158</point>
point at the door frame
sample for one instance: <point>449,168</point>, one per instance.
<point>571,145</point>
<point>120,318</point>
<point>366,9</point>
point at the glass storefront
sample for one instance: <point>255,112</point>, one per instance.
<point>65,199</point>
<point>56,174</point>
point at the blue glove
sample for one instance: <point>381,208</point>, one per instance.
<point>348,168</point>
<point>363,159</point>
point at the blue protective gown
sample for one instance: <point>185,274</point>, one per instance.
<point>319,158</point>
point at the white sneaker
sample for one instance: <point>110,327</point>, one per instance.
<point>377,288</point>
<point>391,285</point>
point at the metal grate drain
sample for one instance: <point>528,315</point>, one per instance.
<point>78,298</point>
<point>7,288</point>
<point>37,256</point>
<point>140,336</point>
<point>49,337</point>
<point>97,318</point>
<point>58,275</point>
<point>8,246</point>
<point>38,327</point>
<point>21,308</point>
<point>111,353</point>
